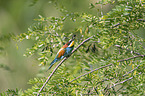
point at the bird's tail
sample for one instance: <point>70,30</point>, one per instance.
<point>52,63</point>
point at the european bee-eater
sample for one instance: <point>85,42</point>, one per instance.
<point>64,51</point>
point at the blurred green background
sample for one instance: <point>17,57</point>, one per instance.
<point>15,18</point>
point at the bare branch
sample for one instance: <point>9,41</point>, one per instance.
<point>110,65</point>
<point>60,64</point>
<point>120,23</point>
<point>122,82</point>
<point>139,42</point>
<point>130,58</point>
<point>122,75</point>
<point>51,75</point>
<point>131,71</point>
<point>116,25</point>
<point>91,72</point>
<point>118,80</point>
<point>142,45</point>
<point>140,20</point>
<point>128,50</point>
<point>82,44</point>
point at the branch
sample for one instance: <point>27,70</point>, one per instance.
<point>119,84</point>
<point>60,64</point>
<point>142,45</point>
<point>122,75</point>
<point>120,23</point>
<point>131,71</point>
<point>130,58</point>
<point>128,50</point>
<point>116,25</point>
<point>122,82</point>
<point>51,75</point>
<point>91,72</point>
<point>107,66</point>
<point>139,42</point>
<point>141,20</point>
<point>82,44</point>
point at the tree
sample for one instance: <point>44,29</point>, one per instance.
<point>108,58</point>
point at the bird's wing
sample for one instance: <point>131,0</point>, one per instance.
<point>58,57</point>
<point>60,52</point>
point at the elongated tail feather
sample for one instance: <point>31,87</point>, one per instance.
<point>52,63</point>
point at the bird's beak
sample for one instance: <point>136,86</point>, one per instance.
<point>73,37</point>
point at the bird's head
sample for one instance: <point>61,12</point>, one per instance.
<point>71,42</point>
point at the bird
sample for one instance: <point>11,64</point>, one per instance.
<point>65,51</point>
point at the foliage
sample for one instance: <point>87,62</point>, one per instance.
<point>3,40</point>
<point>12,93</point>
<point>114,42</point>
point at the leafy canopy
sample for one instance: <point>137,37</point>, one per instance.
<point>115,48</point>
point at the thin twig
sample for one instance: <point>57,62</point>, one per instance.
<point>51,75</point>
<point>122,75</point>
<point>116,25</point>
<point>142,45</point>
<point>118,80</point>
<point>122,82</point>
<point>131,71</point>
<point>82,44</point>
<point>90,72</point>
<point>141,20</point>
<point>107,66</point>
<point>60,64</point>
<point>120,88</point>
<point>120,23</point>
<point>139,42</point>
<point>128,50</point>
<point>130,58</point>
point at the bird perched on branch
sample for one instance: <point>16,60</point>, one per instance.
<point>64,51</point>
